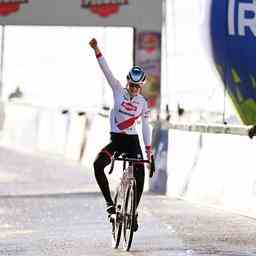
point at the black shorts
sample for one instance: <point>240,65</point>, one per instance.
<point>123,143</point>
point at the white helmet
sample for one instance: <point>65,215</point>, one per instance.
<point>136,75</point>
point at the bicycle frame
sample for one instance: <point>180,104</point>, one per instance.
<point>125,202</point>
<point>128,173</point>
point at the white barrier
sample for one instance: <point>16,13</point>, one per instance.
<point>52,132</point>
<point>2,115</point>
<point>20,127</point>
<point>97,137</point>
<point>36,129</point>
<point>213,169</point>
<point>208,128</point>
<point>75,135</point>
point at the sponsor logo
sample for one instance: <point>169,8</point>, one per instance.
<point>103,8</point>
<point>125,113</point>
<point>128,106</point>
<point>10,6</point>
<point>241,18</point>
<point>149,41</point>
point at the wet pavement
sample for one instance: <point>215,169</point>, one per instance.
<point>52,207</point>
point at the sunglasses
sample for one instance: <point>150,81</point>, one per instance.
<point>134,85</point>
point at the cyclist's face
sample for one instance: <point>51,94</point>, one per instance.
<point>134,89</point>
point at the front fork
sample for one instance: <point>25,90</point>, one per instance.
<point>120,207</point>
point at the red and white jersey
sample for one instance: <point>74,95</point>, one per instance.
<point>127,110</point>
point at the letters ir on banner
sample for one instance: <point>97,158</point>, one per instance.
<point>233,37</point>
<point>10,6</point>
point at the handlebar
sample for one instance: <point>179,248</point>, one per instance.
<point>136,160</point>
<point>124,159</point>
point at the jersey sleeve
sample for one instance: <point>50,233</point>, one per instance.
<point>145,125</point>
<point>113,82</point>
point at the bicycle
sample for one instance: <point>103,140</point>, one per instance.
<point>125,201</point>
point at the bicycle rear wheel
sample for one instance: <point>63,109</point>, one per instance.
<point>129,215</point>
<point>117,222</point>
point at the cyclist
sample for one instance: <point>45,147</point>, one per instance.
<point>129,105</point>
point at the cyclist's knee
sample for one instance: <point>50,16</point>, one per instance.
<point>101,162</point>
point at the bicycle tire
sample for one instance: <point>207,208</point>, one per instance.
<point>129,215</point>
<point>117,224</point>
<point>152,167</point>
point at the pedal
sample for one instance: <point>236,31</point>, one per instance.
<point>112,218</point>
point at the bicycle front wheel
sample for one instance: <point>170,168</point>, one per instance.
<point>117,222</point>
<point>129,215</point>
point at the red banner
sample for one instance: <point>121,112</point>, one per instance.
<point>103,9</point>
<point>7,8</point>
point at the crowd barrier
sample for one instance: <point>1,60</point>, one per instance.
<point>35,129</point>
<point>212,165</point>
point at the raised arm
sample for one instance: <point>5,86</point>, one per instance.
<point>114,83</point>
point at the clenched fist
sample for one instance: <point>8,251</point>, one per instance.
<point>93,43</point>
